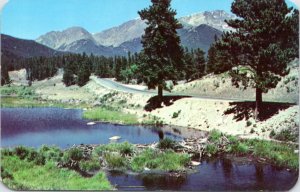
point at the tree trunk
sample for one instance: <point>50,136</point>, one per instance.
<point>160,92</point>
<point>258,103</point>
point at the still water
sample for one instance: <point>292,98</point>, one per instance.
<point>65,127</point>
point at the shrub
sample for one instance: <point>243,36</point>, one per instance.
<point>21,151</point>
<point>248,123</point>
<point>285,135</point>
<point>214,135</point>
<point>167,143</point>
<point>252,130</point>
<point>176,114</point>
<point>272,133</point>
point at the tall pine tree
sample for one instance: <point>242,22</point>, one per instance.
<point>263,43</point>
<point>161,45</point>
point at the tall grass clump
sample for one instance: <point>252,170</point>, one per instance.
<point>102,114</point>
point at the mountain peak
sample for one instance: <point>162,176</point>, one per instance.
<point>56,39</point>
<point>214,19</point>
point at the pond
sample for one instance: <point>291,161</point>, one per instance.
<point>215,175</point>
<point>65,127</point>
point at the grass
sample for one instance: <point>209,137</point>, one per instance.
<point>90,165</point>
<point>215,135</point>
<point>102,114</point>
<point>278,153</point>
<point>167,143</point>
<point>10,102</point>
<point>124,148</point>
<point>19,91</point>
<point>24,175</point>
<point>153,159</point>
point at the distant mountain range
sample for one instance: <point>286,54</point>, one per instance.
<point>199,31</point>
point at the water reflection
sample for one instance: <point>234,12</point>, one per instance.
<point>62,127</point>
<point>215,175</point>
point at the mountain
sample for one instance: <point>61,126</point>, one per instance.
<point>14,49</point>
<point>88,46</point>
<point>199,37</point>
<point>198,32</point>
<point>215,19</point>
<point>117,35</point>
<point>60,39</point>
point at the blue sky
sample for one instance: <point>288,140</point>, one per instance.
<point>29,19</point>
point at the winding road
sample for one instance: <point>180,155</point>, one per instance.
<point>110,84</point>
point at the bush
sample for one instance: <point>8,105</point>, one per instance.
<point>167,143</point>
<point>176,114</point>
<point>285,135</point>
<point>248,123</point>
<point>21,151</point>
<point>272,133</point>
<point>214,135</point>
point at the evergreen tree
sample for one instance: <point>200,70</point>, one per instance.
<point>263,43</point>
<point>161,45</point>
<point>68,77</point>
<point>4,74</point>
<point>84,73</point>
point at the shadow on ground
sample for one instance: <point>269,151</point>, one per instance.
<point>154,102</point>
<point>245,110</point>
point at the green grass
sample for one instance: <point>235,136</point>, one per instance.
<point>90,165</point>
<point>166,143</point>
<point>166,161</point>
<point>124,148</point>
<point>29,176</point>
<point>20,91</point>
<point>214,135</point>
<point>102,114</point>
<point>278,153</point>
<point>10,102</point>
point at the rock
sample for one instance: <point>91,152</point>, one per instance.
<point>115,138</point>
<point>296,151</point>
<point>146,169</point>
<point>195,163</point>
<point>91,123</point>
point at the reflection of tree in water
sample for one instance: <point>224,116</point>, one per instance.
<point>160,134</point>
<point>259,175</point>
<point>163,181</point>
<point>227,168</point>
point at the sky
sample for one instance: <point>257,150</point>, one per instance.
<point>28,19</point>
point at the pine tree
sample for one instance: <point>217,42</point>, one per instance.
<point>161,45</point>
<point>4,74</point>
<point>261,46</point>
<point>68,77</point>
